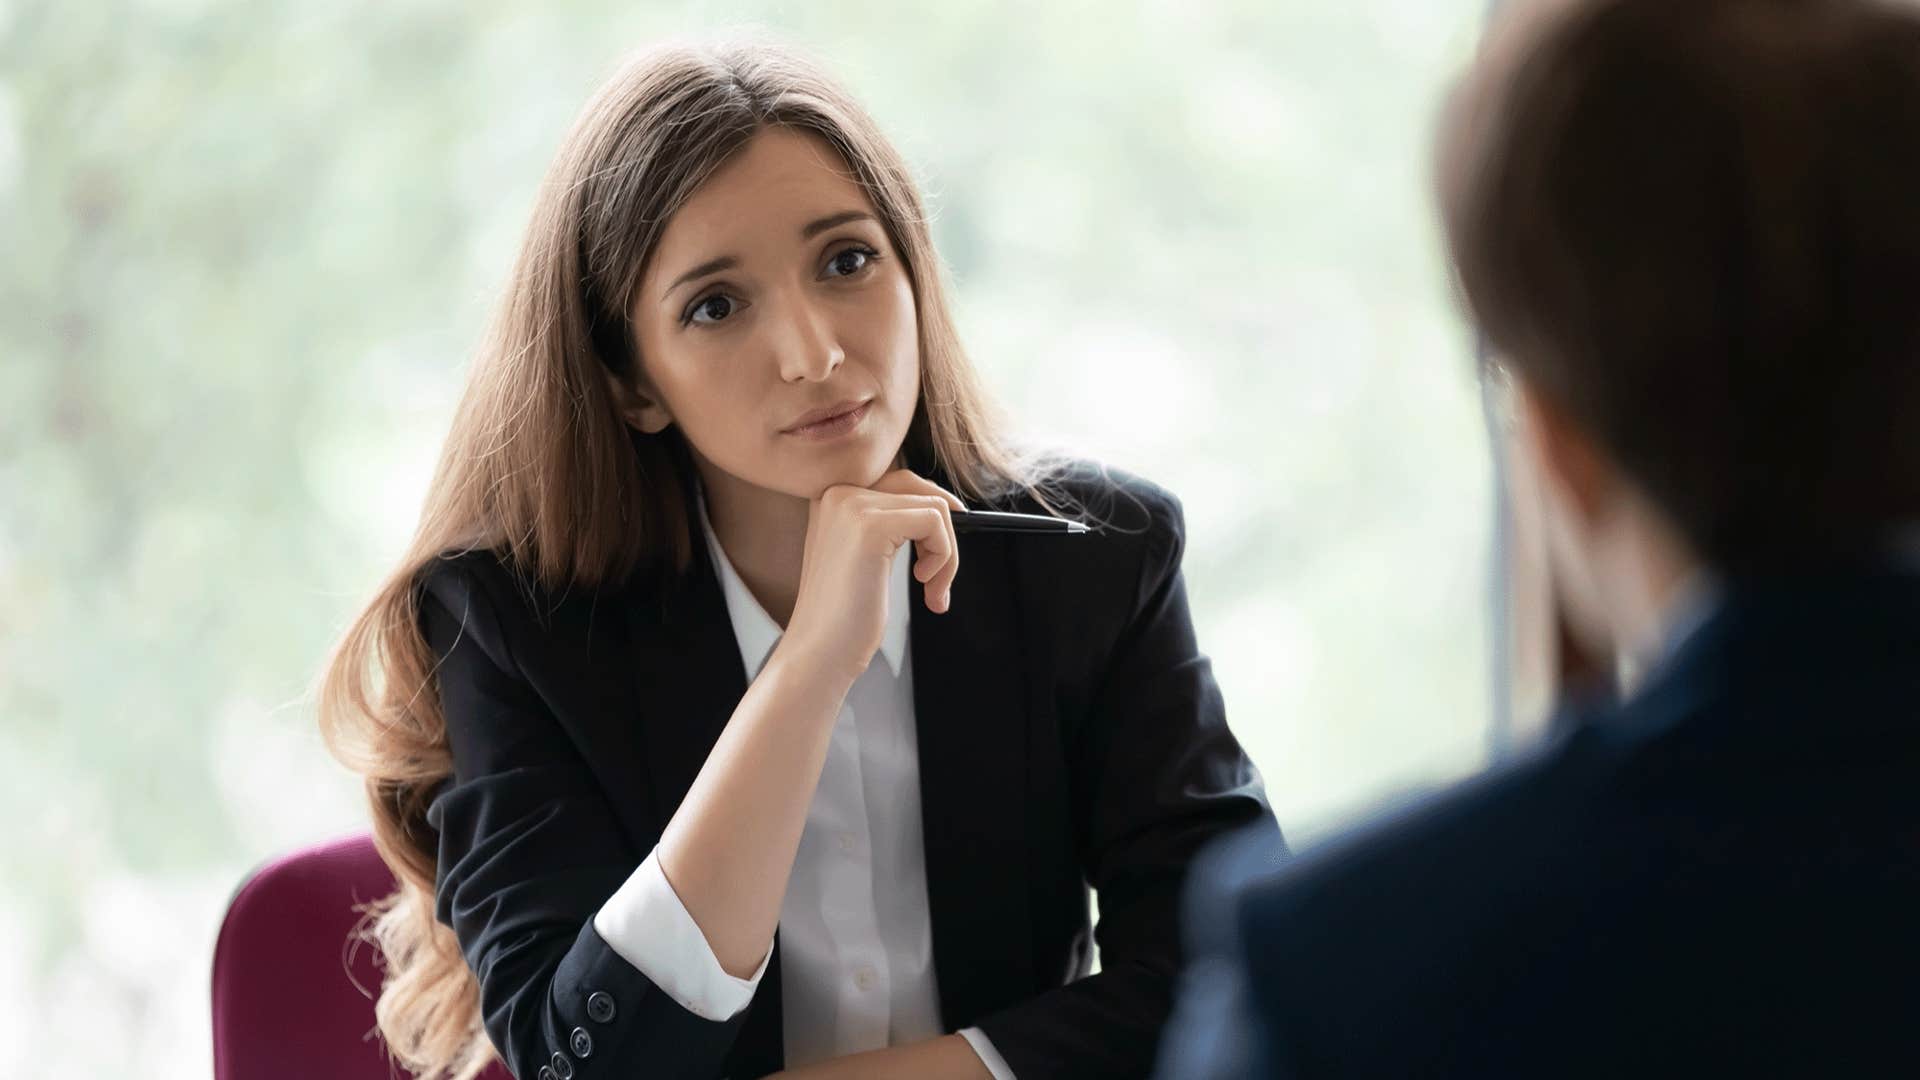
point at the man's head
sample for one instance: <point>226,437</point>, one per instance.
<point>1691,231</point>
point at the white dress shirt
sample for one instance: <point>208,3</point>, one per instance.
<point>856,968</point>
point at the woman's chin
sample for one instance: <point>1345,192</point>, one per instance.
<point>859,470</point>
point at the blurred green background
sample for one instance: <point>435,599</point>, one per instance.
<point>249,248</point>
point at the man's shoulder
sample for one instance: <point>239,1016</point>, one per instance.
<point>1427,872</point>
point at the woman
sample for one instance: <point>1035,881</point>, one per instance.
<point>674,781</point>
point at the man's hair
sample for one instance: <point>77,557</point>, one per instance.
<point>1694,226</point>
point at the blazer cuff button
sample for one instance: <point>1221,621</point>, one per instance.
<point>600,1007</point>
<point>582,1044</point>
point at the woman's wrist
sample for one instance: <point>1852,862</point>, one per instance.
<point>814,675</point>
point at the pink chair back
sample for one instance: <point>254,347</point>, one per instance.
<point>293,991</point>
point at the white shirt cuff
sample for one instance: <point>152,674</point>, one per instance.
<point>989,1057</point>
<point>648,927</point>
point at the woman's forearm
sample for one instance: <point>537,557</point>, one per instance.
<point>949,1057</point>
<point>730,847</point>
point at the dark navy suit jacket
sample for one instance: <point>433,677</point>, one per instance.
<point>1719,877</point>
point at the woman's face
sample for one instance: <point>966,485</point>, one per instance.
<point>776,325</point>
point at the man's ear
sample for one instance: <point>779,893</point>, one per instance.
<point>637,402</point>
<point>1568,457</point>
<point>1581,494</point>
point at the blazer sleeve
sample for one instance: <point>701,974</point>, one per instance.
<point>529,850</point>
<point>1218,1031</point>
<point>1155,776</point>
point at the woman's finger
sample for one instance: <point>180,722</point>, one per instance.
<point>933,571</point>
<point>940,587</point>
<point>930,531</point>
<point>936,565</point>
<point>922,526</point>
<point>908,482</point>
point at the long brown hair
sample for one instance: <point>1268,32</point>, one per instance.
<point>540,467</point>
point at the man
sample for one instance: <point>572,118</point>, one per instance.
<point>1691,230</point>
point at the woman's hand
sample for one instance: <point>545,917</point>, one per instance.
<point>853,534</point>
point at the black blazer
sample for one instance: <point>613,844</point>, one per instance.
<point>1720,877</point>
<point>1070,734</point>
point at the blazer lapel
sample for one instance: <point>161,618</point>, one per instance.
<point>971,716</point>
<point>688,680</point>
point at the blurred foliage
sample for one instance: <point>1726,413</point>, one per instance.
<point>249,248</point>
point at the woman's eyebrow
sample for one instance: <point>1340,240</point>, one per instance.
<point>815,228</point>
<point>711,266</point>
<point>727,262</point>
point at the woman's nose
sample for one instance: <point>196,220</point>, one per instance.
<point>806,345</point>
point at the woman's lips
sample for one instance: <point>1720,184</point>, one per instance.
<point>833,426</point>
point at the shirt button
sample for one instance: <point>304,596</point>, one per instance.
<point>846,843</point>
<point>864,977</point>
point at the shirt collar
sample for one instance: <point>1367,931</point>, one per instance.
<point>755,631</point>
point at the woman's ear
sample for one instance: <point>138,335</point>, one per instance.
<point>638,404</point>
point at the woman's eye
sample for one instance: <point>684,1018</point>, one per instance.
<point>849,262</point>
<point>711,310</point>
